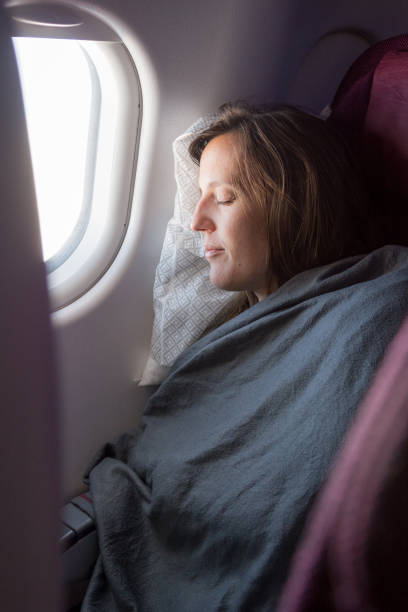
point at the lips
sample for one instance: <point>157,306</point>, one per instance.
<point>212,250</point>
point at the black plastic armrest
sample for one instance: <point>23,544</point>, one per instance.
<point>79,544</point>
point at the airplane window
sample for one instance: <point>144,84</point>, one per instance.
<point>83,100</point>
<point>60,90</point>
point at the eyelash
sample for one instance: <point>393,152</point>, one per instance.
<point>225,201</point>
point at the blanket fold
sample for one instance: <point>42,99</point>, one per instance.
<point>201,510</point>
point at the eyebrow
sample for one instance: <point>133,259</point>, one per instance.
<point>217,184</point>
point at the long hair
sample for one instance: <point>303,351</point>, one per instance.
<point>301,173</point>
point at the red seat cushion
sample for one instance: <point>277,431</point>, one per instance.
<point>371,105</point>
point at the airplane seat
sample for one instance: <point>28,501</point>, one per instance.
<point>29,457</point>
<point>371,106</point>
<point>353,552</point>
<point>374,90</point>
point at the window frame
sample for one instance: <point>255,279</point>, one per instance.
<point>99,233</point>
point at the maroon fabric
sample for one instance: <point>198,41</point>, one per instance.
<point>353,557</point>
<point>386,121</point>
<point>352,97</point>
<point>371,106</point>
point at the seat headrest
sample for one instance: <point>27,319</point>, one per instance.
<point>371,105</point>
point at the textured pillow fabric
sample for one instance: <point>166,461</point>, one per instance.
<point>186,304</point>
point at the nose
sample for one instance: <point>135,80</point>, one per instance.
<point>202,219</point>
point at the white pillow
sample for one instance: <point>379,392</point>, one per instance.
<point>186,304</point>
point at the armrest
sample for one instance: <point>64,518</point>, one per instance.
<point>79,544</point>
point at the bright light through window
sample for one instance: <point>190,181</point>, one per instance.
<point>57,91</point>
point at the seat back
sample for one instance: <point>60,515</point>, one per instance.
<point>30,576</point>
<point>371,105</point>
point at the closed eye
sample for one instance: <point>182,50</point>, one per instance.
<point>225,201</point>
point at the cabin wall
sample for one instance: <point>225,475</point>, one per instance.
<point>200,54</point>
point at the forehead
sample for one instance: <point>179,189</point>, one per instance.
<point>218,161</point>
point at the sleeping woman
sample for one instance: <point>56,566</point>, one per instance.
<point>202,509</point>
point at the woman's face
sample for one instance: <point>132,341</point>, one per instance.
<point>235,237</point>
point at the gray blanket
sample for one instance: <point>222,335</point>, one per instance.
<point>202,509</point>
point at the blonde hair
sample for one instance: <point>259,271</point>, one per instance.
<point>302,175</point>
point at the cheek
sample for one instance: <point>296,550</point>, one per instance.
<point>246,240</point>
<point>251,244</point>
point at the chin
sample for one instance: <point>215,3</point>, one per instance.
<point>225,284</point>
